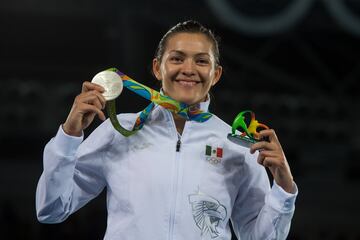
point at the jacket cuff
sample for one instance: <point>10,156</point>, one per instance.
<point>67,144</point>
<point>281,200</point>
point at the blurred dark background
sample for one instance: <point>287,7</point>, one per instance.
<point>294,62</point>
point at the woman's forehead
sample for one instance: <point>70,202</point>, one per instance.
<point>189,42</point>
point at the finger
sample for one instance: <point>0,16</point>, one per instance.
<point>92,100</point>
<point>271,162</point>
<point>260,146</point>
<point>101,98</point>
<point>268,133</point>
<point>265,154</point>
<point>268,153</point>
<point>96,102</point>
<point>88,108</point>
<point>86,98</point>
<point>260,158</point>
<point>268,162</point>
<point>91,95</point>
<point>88,86</point>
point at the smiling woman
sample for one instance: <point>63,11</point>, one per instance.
<point>175,178</point>
<point>188,58</point>
<point>187,68</point>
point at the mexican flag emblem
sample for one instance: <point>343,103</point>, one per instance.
<point>213,154</point>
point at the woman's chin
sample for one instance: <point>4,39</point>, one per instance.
<point>186,98</point>
<point>188,101</point>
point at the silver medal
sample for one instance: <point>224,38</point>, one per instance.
<point>111,82</point>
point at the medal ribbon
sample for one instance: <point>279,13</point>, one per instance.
<point>189,112</point>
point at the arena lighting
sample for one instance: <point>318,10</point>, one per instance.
<point>260,25</point>
<point>344,16</point>
<point>287,18</point>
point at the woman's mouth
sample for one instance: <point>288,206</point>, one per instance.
<point>187,83</point>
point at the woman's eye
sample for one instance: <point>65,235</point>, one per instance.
<point>175,59</point>
<point>203,61</point>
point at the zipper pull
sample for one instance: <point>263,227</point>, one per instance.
<point>178,144</point>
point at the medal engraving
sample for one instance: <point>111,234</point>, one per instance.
<point>111,82</point>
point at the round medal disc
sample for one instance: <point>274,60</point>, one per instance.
<point>111,82</point>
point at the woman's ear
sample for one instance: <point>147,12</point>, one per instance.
<point>217,75</point>
<point>156,69</point>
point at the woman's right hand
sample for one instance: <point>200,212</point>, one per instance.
<point>86,106</point>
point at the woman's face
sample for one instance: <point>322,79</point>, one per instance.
<point>187,68</point>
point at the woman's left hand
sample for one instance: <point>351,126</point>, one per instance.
<point>271,155</point>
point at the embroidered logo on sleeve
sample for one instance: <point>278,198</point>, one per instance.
<point>213,154</point>
<point>207,213</point>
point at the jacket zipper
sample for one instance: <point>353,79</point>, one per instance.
<point>174,195</point>
<point>175,184</point>
<point>175,189</point>
<point>178,144</point>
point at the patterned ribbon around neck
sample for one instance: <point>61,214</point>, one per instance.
<point>189,112</point>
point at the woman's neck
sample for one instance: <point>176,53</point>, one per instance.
<point>179,122</point>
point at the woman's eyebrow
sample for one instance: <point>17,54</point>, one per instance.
<point>184,54</point>
<point>177,52</point>
<point>203,54</point>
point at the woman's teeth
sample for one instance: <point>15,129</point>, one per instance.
<point>187,83</point>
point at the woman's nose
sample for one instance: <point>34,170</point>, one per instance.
<point>188,68</point>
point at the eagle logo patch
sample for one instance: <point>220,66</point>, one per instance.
<point>207,213</point>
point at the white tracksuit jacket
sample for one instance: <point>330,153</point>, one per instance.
<point>163,186</point>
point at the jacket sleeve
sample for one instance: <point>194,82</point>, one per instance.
<point>261,213</point>
<point>72,173</point>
